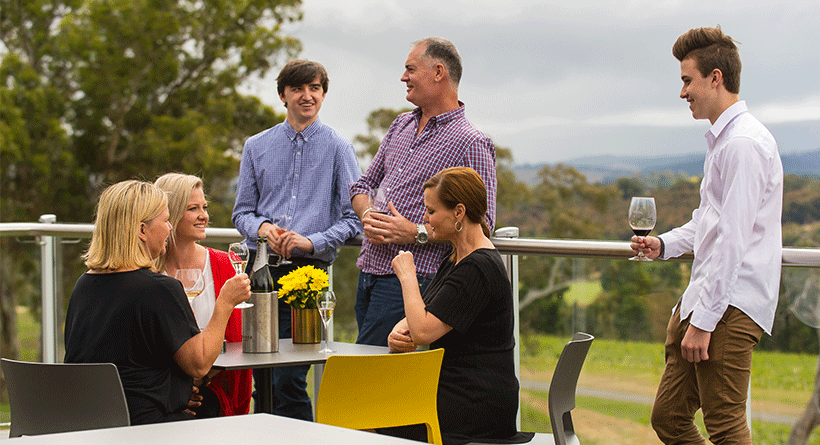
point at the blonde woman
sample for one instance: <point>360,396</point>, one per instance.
<point>227,393</point>
<point>123,312</point>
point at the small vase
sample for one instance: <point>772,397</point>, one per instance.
<point>306,325</point>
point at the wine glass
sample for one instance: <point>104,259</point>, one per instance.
<point>192,281</point>
<point>326,303</point>
<point>282,224</point>
<point>238,254</point>
<point>642,216</point>
<point>378,200</point>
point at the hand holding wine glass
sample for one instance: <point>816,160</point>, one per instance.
<point>239,254</point>
<point>282,224</point>
<point>642,217</point>
<point>326,303</point>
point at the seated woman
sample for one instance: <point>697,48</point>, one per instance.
<point>226,393</point>
<point>124,313</point>
<point>467,309</point>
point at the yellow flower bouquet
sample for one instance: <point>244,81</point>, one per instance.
<point>301,287</point>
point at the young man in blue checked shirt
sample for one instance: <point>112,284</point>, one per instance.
<point>300,168</point>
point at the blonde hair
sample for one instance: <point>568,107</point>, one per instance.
<point>115,242</point>
<point>178,187</point>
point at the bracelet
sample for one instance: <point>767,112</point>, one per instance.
<point>365,212</point>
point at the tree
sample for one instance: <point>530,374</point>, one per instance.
<point>378,122</point>
<point>511,193</point>
<point>563,205</point>
<point>98,91</point>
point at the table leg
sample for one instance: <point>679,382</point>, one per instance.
<point>264,391</point>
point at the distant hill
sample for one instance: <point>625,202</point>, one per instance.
<point>610,168</point>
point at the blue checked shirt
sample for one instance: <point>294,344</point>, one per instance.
<point>405,162</point>
<point>304,175</point>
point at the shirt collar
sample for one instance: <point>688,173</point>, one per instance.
<point>443,118</point>
<point>307,133</point>
<point>727,116</point>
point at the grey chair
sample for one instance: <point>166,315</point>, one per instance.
<point>57,397</point>
<point>562,392</point>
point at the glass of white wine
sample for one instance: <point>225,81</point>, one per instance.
<point>326,303</point>
<point>192,281</point>
<point>642,216</point>
<point>283,224</point>
<point>238,254</point>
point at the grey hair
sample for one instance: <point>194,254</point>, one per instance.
<point>443,50</point>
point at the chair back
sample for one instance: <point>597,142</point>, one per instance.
<point>563,386</point>
<point>57,397</point>
<point>380,391</point>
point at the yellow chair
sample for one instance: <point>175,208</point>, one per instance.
<point>381,391</point>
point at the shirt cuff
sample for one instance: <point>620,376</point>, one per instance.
<point>319,242</point>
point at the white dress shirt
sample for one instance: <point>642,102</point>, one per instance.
<point>735,233</point>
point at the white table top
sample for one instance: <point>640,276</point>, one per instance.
<point>290,354</point>
<point>249,429</point>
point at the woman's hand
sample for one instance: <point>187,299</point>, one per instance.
<point>403,266</point>
<point>194,402</point>
<point>399,339</point>
<point>236,290</point>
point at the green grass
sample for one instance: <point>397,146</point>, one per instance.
<point>784,377</point>
<point>776,377</point>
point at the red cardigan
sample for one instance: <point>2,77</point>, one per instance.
<point>232,387</point>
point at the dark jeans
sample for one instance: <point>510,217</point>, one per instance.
<point>290,397</point>
<point>379,306</point>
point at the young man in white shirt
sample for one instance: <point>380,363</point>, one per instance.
<point>735,234</point>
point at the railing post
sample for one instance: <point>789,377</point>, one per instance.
<point>48,286</point>
<point>511,263</point>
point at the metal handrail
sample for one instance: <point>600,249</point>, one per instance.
<point>792,256</point>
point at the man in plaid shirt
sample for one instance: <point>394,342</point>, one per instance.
<point>434,136</point>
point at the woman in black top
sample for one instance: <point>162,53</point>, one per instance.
<point>123,312</point>
<point>467,309</point>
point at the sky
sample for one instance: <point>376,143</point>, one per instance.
<point>559,80</point>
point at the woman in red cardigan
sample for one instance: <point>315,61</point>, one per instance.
<point>229,392</point>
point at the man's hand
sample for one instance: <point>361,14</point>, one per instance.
<point>286,242</point>
<point>695,345</point>
<point>381,228</point>
<point>649,245</point>
<point>270,232</point>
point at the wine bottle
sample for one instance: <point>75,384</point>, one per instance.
<point>260,323</point>
<point>261,280</point>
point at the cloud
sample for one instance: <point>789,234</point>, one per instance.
<point>587,77</point>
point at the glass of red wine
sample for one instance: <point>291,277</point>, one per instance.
<point>642,218</point>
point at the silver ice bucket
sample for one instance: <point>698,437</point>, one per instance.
<point>260,323</point>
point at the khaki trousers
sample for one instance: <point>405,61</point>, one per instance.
<point>718,386</point>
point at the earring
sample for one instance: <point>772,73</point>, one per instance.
<point>458,226</point>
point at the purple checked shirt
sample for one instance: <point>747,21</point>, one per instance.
<point>405,162</point>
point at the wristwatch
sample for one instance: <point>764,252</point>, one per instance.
<point>421,234</point>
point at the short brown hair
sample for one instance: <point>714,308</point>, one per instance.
<point>299,72</point>
<point>711,49</point>
<point>115,241</point>
<point>462,185</point>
